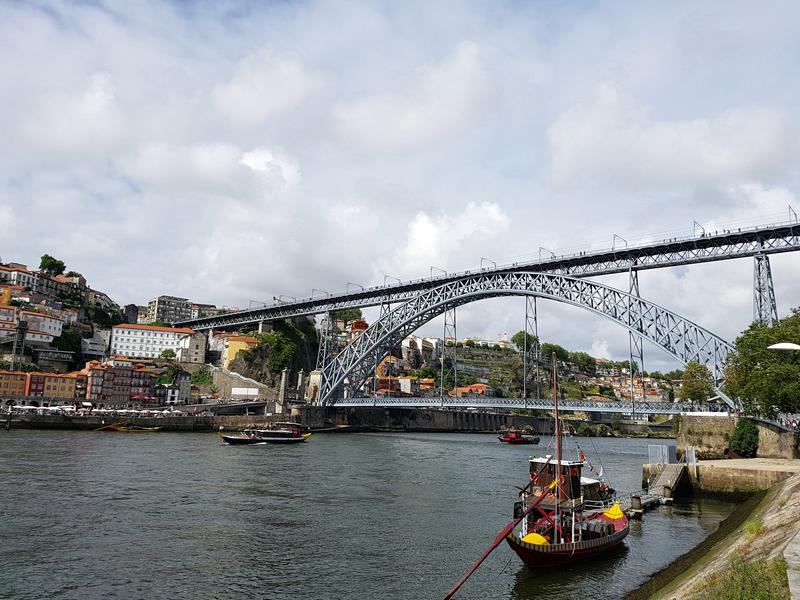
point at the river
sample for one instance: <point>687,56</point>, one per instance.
<point>391,516</point>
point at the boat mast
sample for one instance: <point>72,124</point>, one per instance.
<point>559,491</point>
<point>558,421</point>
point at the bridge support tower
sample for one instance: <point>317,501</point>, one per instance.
<point>449,354</point>
<point>635,341</point>
<point>765,309</point>
<point>530,355</point>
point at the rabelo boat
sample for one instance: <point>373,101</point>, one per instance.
<point>563,516</point>
<point>280,433</point>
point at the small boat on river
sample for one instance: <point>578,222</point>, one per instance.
<point>512,436</point>
<point>125,427</point>
<point>280,433</point>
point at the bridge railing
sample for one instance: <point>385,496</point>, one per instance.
<point>540,404</point>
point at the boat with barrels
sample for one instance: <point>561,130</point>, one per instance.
<point>562,517</point>
<point>279,433</point>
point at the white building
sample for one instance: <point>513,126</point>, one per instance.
<point>42,329</point>
<point>147,341</point>
<point>17,274</point>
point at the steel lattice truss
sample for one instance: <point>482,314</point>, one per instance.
<point>678,251</point>
<point>679,337</point>
<point>650,408</point>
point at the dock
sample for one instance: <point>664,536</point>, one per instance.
<point>661,491</point>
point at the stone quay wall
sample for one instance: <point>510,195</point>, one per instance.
<point>313,418</point>
<point>411,419</point>
<point>710,436</point>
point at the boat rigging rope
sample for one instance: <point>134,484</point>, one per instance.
<point>599,458</point>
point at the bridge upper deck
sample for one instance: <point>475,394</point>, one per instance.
<point>728,244</point>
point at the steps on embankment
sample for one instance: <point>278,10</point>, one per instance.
<point>731,476</point>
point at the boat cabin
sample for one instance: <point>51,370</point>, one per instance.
<point>544,470</point>
<point>295,428</point>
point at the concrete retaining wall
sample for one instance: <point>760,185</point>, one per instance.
<point>713,479</point>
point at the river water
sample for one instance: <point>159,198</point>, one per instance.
<point>112,515</point>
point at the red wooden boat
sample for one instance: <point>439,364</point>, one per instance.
<point>512,436</point>
<point>562,517</point>
<point>576,518</point>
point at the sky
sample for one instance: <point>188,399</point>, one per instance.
<point>230,152</point>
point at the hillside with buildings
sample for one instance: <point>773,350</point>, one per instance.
<point>62,339</point>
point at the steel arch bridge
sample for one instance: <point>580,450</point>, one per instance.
<point>677,336</point>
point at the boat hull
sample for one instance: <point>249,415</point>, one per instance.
<point>537,556</point>
<point>522,442</point>
<point>243,440</point>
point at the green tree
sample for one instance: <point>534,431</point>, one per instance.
<point>73,274</point>
<point>766,381</point>
<point>168,354</point>
<point>51,266</point>
<point>203,376</point>
<point>744,440</point>
<point>518,339</point>
<point>695,383</point>
<point>347,314</point>
<point>280,350</point>
<point>548,349</point>
<point>582,360</point>
<point>470,343</point>
<point>69,340</point>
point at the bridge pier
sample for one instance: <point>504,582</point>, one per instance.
<point>765,309</point>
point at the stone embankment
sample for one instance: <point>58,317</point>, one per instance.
<point>408,419</point>
<point>710,434</point>
<point>315,419</point>
<point>762,528</point>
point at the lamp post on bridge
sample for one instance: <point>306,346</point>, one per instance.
<point>552,254</point>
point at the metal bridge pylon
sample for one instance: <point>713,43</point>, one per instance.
<point>635,341</point>
<point>765,309</point>
<point>530,353</point>
<point>449,353</point>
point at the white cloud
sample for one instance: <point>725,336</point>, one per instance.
<point>264,85</point>
<point>599,349</point>
<point>7,219</point>
<point>438,240</point>
<point>445,99</point>
<point>614,140</point>
<point>273,164</point>
<point>309,144</point>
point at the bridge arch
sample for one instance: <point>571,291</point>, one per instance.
<point>677,336</point>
